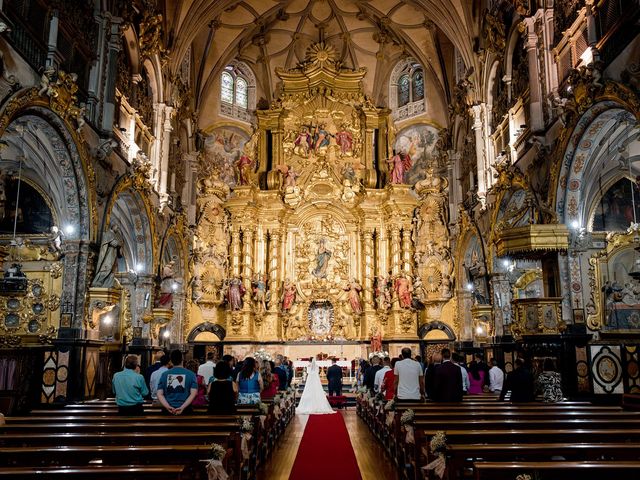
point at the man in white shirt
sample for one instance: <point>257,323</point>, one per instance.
<point>459,360</point>
<point>409,378</point>
<point>206,369</point>
<point>155,376</point>
<point>496,377</point>
<point>386,362</point>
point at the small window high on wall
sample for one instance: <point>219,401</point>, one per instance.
<point>237,92</point>
<point>406,89</point>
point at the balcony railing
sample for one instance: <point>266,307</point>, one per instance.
<point>31,48</point>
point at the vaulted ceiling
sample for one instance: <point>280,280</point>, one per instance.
<point>270,34</point>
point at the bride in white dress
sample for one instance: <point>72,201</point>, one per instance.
<point>313,400</point>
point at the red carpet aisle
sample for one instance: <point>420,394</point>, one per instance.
<point>325,451</point>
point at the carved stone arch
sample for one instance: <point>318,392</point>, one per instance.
<point>214,328</point>
<point>436,325</point>
<point>154,75</point>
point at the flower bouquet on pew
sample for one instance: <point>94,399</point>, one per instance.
<point>406,420</point>
<point>390,408</point>
<point>438,448</point>
<point>277,412</point>
<point>263,411</point>
<point>215,469</point>
<point>246,429</point>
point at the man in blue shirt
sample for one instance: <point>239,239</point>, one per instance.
<point>130,388</point>
<point>177,387</point>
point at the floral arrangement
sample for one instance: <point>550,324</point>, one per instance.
<point>218,451</point>
<point>523,477</point>
<point>381,354</point>
<point>245,424</point>
<point>263,408</point>
<point>262,355</point>
<point>277,398</point>
<point>390,406</point>
<point>438,443</point>
<point>407,417</point>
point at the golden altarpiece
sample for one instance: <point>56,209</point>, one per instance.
<point>318,243</point>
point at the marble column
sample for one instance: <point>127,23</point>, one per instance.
<point>477,125</point>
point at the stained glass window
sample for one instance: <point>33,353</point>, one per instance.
<point>418,86</point>
<point>403,90</point>
<point>241,92</point>
<point>226,87</point>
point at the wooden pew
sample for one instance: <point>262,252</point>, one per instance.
<point>155,472</point>
<point>592,470</point>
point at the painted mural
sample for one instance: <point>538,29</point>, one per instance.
<point>614,212</point>
<point>418,142</point>
<point>223,147</point>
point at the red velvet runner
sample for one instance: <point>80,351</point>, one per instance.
<point>325,451</point>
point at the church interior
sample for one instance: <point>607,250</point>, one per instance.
<point>328,179</point>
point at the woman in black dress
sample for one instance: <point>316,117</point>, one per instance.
<point>222,391</point>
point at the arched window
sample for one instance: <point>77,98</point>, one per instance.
<point>237,91</point>
<point>406,89</point>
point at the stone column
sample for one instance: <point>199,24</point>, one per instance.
<point>396,260</point>
<point>535,87</point>
<point>274,259</point>
<point>111,67</point>
<point>53,55</point>
<point>367,241</point>
<point>476,112</point>
<point>164,154</point>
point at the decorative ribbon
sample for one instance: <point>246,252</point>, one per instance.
<point>438,466</point>
<point>410,437</point>
<point>244,445</point>
<point>215,470</point>
<point>390,417</point>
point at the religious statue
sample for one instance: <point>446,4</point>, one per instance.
<point>260,292</point>
<point>340,327</point>
<point>320,138</point>
<point>109,253</point>
<point>322,259</point>
<point>376,340</point>
<point>447,285</point>
<point>235,293</point>
<point>46,81</point>
<point>399,164</point>
<point>290,176</point>
<point>402,286</point>
<point>296,329</point>
<point>55,240</point>
<point>382,293</point>
<point>243,164</point>
<point>354,289</point>
<point>419,293</point>
<point>288,295</point>
<point>303,143</point>
<point>344,139</point>
<point>348,173</point>
<point>167,286</point>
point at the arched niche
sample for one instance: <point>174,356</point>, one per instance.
<point>203,328</point>
<point>436,331</point>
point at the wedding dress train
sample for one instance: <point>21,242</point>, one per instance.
<point>313,400</point>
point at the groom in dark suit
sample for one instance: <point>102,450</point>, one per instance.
<point>334,377</point>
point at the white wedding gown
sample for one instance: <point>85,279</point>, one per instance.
<point>313,400</point>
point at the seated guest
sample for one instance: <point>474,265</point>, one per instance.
<point>549,383</point>
<point>155,376</point>
<point>130,388</point>
<point>386,387</point>
<point>496,377</point>
<point>520,383</point>
<point>201,397</point>
<point>476,379</point>
<point>249,382</point>
<point>271,380</point>
<point>222,391</point>
<point>177,387</point>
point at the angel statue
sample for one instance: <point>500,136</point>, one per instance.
<point>55,241</point>
<point>302,143</point>
<point>399,164</point>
